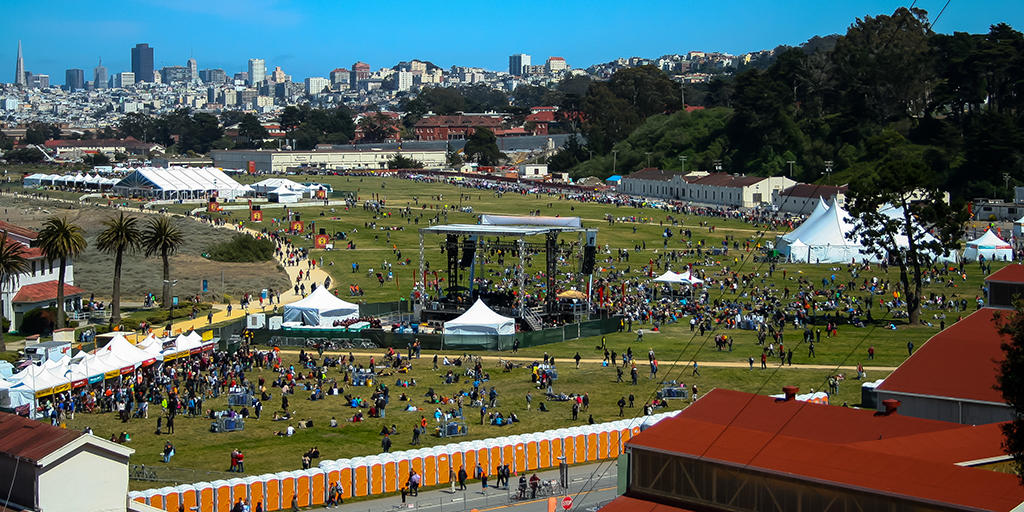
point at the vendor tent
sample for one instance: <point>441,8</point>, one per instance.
<point>1018,228</point>
<point>990,247</point>
<point>320,308</point>
<point>480,319</point>
<point>271,184</point>
<point>676,278</point>
<point>284,195</point>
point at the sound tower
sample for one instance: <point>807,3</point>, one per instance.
<point>468,250</point>
<point>589,252</point>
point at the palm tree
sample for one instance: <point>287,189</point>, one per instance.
<point>122,234</point>
<point>59,240</point>
<point>163,238</point>
<point>12,263</point>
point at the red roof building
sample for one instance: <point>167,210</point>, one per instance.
<point>44,292</point>
<point>37,285</point>
<point>1004,285</point>
<point>952,377</point>
<point>737,451</point>
<point>454,127</point>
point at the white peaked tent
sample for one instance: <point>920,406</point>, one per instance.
<point>819,211</point>
<point>989,246</point>
<point>1018,227</point>
<point>675,278</point>
<point>828,237</point>
<point>284,195</point>
<point>320,308</point>
<point>667,277</point>
<point>480,319</point>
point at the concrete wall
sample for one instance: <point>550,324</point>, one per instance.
<point>86,480</point>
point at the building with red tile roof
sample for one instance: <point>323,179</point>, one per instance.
<point>952,377</point>
<point>46,468</point>
<point>803,197</point>
<point>13,302</point>
<point>737,451</point>
<point>454,127</point>
<point>1004,286</point>
<point>719,188</point>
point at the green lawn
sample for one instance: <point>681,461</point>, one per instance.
<point>204,451</point>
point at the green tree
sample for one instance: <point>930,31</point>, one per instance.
<point>121,235</point>
<point>901,203</point>
<point>38,133</point>
<point>403,162</point>
<point>161,236</point>
<point>12,263</point>
<point>607,118</point>
<point>138,126</point>
<point>5,142</point>
<point>378,127</point>
<point>482,147</point>
<point>250,128</point>
<point>61,240</point>
<point>571,154</point>
<point>1010,382</point>
<point>96,159</point>
<point>23,155</point>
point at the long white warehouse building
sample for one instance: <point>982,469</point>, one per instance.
<point>337,159</point>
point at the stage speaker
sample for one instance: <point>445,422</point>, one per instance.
<point>468,250</point>
<point>589,252</point>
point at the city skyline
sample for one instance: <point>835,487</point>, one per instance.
<point>599,32</point>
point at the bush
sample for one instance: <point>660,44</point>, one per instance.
<point>181,312</point>
<point>242,249</point>
<point>38,321</point>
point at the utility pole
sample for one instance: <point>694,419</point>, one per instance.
<point>828,170</point>
<point>790,162</point>
<point>615,155</point>
<point>683,160</point>
<point>648,153</point>
<point>1006,179</point>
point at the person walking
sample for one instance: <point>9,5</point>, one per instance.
<point>385,444</point>
<point>622,405</point>
<point>452,477</point>
<point>462,478</point>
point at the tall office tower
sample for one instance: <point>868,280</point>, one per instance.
<point>19,69</point>
<point>74,79</point>
<point>518,64</point>
<point>193,70</point>
<point>142,62</point>
<point>99,76</point>
<point>213,76</point>
<point>257,71</point>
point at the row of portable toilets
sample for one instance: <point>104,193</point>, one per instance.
<point>388,472</point>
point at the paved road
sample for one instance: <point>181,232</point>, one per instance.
<point>589,485</point>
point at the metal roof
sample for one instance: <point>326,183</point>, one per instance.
<point>490,230</point>
<point>31,440</point>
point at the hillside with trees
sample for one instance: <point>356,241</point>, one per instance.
<point>889,86</point>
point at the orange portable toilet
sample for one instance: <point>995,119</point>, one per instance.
<point>519,454</point>
<point>272,492</point>
<point>613,443</point>
<point>172,499</point>
<point>568,447</point>
<point>602,444</point>
<point>331,473</point>
<point>494,453</point>
<point>443,465</point>
<point>155,498</point>
<point>287,480</point>
<point>136,496</point>
<point>376,475</point>
<point>403,463</point>
<point>221,496</point>
<point>531,447</point>
<point>581,446</point>
<point>302,485</point>
<point>483,457</point>
<point>189,499</point>
<point>204,494</point>
<point>429,477</point>
<point>590,434</point>
<point>345,475</point>
<point>543,451</point>
<point>257,491</point>
<point>468,460</point>
<point>360,477</point>
<point>508,451</point>
<point>391,473</point>
<point>557,447</point>
<point>415,463</point>
<point>239,489</point>
<point>317,486</point>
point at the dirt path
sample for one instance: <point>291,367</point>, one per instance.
<point>708,364</point>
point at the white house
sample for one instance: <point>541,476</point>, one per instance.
<point>55,469</point>
<point>720,189</point>
<point>533,171</point>
<point>36,287</point>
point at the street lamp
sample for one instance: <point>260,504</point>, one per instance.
<point>790,162</point>
<point>648,153</point>
<point>682,159</point>
<point>1006,179</point>
<point>170,303</point>
<point>828,170</point>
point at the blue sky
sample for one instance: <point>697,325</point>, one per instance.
<point>310,38</point>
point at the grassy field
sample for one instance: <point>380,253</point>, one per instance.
<point>376,243</point>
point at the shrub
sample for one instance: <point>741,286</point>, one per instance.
<point>242,248</point>
<point>38,321</point>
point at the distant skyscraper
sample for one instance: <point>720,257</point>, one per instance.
<point>174,74</point>
<point>360,71</point>
<point>193,70</point>
<point>142,62</point>
<point>518,63</point>
<point>99,74</point>
<point>213,76</point>
<point>74,79</point>
<point>38,81</point>
<point>124,79</point>
<point>19,69</point>
<point>257,71</point>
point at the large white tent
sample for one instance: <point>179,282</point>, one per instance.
<point>678,278</point>
<point>480,319</point>
<point>180,183</point>
<point>989,246</point>
<point>284,195</point>
<point>320,308</point>
<point>271,184</point>
<point>825,237</point>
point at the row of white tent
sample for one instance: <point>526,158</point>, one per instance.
<point>388,472</point>
<point>827,236</point>
<point>116,358</point>
<point>69,180</point>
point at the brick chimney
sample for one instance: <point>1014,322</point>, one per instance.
<point>891,404</point>
<point>790,392</point>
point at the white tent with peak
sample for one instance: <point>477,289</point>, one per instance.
<point>990,247</point>
<point>825,237</point>
<point>320,308</point>
<point>480,319</point>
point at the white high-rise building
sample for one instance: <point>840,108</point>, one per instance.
<point>403,80</point>
<point>316,84</point>
<point>124,79</point>
<point>257,71</point>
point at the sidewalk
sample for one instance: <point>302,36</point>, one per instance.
<point>589,485</point>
